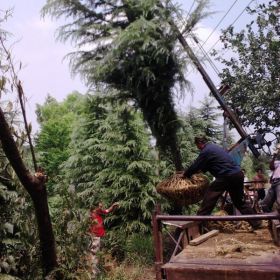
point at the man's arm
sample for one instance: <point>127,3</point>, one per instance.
<point>271,164</point>
<point>198,165</point>
<point>112,207</point>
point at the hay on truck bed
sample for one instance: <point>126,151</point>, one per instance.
<point>183,192</point>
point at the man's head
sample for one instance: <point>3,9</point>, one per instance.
<point>94,207</point>
<point>200,141</point>
<point>100,205</point>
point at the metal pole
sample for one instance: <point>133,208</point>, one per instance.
<point>218,218</point>
<point>230,114</point>
<point>209,82</point>
<point>157,234</point>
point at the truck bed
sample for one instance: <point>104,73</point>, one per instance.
<point>235,256</point>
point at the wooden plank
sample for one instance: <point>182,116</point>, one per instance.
<point>260,267</point>
<point>221,272</point>
<point>203,237</point>
<point>192,233</point>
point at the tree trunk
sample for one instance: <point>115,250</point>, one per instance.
<point>37,190</point>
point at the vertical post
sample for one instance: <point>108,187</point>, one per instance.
<point>276,229</point>
<point>157,234</point>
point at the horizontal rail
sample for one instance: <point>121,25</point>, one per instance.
<point>218,218</point>
<point>250,182</point>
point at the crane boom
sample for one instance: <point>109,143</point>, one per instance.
<point>230,114</point>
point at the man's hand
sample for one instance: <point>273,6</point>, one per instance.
<point>115,205</point>
<point>276,151</point>
<point>180,174</point>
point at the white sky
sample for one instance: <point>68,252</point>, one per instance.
<point>45,71</point>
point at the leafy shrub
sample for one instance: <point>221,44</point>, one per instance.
<point>136,249</point>
<point>121,273</point>
<point>19,244</point>
<point>139,249</point>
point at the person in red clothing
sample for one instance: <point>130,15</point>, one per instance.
<point>97,231</point>
<point>97,228</point>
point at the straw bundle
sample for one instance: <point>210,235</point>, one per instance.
<point>222,226</point>
<point>183,192</point>
<point>228,226</point>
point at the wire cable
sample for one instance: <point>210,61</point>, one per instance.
<point>208,58</point>
<point>231,25</point>
<point>212,64</point>
<point>219,22</point>
<point>190,8</point>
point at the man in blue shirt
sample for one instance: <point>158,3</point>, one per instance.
<point>228,177</point>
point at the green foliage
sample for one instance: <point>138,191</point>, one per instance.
<point>252,73</point>
<point>186,134</point>
<point>82,165</point>
<point>52,109</point>
<point>110,161</point>
<point>208,113</point>
<point>139,250</point>
<point>52,145</point>
<point>56,121</point>
<point>261,162</point>
<point>132,249</point>
<point>19,246</point>
<point>71,224</point>
<point>204,120</point>
<point>128,171</point>
<point>248,165</point>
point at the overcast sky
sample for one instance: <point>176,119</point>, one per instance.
<point>45,71</point>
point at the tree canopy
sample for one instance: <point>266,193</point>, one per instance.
<point>57,120</point>
<point>252,72</point>
<point>111,159</point>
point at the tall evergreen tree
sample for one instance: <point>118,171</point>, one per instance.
<point>56,121</point>
<point>112,160</point>
<point>208,113</point>
<point>130,46</point>
<point>204,120</point>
